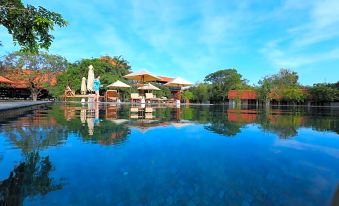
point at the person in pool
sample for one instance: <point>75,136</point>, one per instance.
<point>96,88</point>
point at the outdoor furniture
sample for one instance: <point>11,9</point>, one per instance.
<point>135,97</point>
<point>166,101</point>
<point>170,101</point>
<point>118,84</point>
<point>111,95</point>
<point>69,92</point>
<point>142,76</point>
<point>83,88</point>
<point>151,98</point>
<point>178,82</point>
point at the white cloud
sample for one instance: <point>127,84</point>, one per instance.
<point>299,45</point>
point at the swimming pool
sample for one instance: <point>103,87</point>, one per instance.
<point>102,154</point>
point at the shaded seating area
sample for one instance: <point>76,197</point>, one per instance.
<point>140,80</point>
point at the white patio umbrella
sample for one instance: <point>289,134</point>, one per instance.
<point>118,84</point>
<point>83,85</point>
<point>148,86</point>
<point>90,78</point>
<point>142,76</point>
<point>178,82</point>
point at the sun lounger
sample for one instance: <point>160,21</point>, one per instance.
<point>151,98</point>
<point>166,101</point>
<point>134,109</point>
<point>69,92</point>
<point>135,97</point>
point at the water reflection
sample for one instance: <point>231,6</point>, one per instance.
<point>29,178</point>
<point>285,123</point>
<point>161,146</point>
<point>35,131</point>
<point>111,124</point>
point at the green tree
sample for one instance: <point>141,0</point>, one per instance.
<point>187,96</point>
<point>222,81</point>
<point>37,70</point>
<point>200,92</point>
<point>283,85</point>
<point>324,92</point>
<point>29,26</point>
<point>264,90</point>
<point>294,94</point>
<point>163,92</point>
<point>108,71</point>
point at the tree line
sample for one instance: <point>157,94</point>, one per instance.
<point>282,86</point>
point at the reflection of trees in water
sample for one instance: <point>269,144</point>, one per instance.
<point>335,199</point>
<point>285,126</point>
<point>34,132</point>
<point>323,123</point>
<point>29,178</point>
<point>286,123</point>
<point>106,133</point>
<point>83,124</point>
<point>219,123</point>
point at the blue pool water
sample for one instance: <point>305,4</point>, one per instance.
<point>69,154</point>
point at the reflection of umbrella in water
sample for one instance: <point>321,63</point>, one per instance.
<point>181,124</point>
<point>90,78</point>
<point>90,124</point>
<point>146,125</point>
<point>142,76</point>
<point>83,115</point>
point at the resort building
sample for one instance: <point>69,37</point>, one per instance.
<point>13,86</point>
<point>250,97</point>
<point>244,97</point>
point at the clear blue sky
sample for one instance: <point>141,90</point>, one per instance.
<point>192,38</point>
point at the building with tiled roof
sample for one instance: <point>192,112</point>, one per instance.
<point>4,80</point>
<point>164,79</point>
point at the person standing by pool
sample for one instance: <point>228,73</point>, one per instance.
<point>96,88</point>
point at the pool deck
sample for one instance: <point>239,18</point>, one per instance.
<point>19,104</point>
